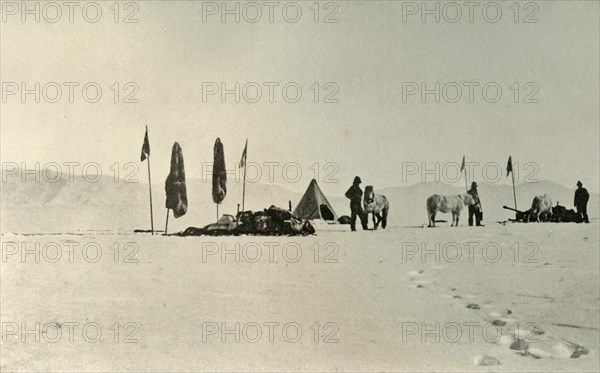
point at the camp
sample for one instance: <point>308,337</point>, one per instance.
<point>314,205</point>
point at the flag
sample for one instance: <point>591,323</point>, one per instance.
<point>244,155</point>
<point>219,177</point>
<point>462,165</point>
<point>175,184</point>
<point>145,147</point>
<point>509,166</point>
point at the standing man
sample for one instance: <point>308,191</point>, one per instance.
<point>354,194</point>
<point>476,208</point>
<point>581,199</point>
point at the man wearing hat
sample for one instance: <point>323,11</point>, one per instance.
<point>581,199</point>
<point>354,194</point>
<point>476,208</point>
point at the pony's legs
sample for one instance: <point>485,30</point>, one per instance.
<point>384,218</point>
<point>457,216</point>
<point>376,223</point>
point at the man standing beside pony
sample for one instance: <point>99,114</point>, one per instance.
<point>476,208</point>
<point>581,199</point>
<point>354,194</point>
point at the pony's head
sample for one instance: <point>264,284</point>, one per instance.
<point>369,194</point>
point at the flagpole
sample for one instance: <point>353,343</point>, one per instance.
<point>514,190</point>
<point>462,167</point>
<point>245,160</point>
<point>244,185</point>
<point>150,189</point>
<point>167,222</point>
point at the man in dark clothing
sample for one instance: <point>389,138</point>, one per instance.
<point>354,194</point>
<point>475,210</point>
<point>581,199</point>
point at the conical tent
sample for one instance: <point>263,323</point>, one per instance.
<point>314,204</point>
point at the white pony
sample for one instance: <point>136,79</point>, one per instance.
<point>445,204</point>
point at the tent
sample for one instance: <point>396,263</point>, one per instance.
<point>314,205</point>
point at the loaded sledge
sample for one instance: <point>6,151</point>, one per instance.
<point>273,221</point>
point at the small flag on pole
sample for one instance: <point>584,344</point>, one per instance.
<point>244,155</point>
<point>145,147</point>
<point>509,169</point>
<point>462,168</point>
<point>243,165</point>
<point>146,154</point>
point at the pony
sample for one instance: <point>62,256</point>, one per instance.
<point>541,209</point>
<point>376,204</point>
<point>453,203</point>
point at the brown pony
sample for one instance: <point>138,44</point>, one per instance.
<point>376,204</point>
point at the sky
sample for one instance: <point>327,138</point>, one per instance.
<point>366,65</point>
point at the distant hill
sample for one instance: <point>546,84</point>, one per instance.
<point>66,205</point>
<point>112,204</point>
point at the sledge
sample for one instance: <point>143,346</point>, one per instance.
<point>147,231</point>
<point>273,221</point>
<point>520,216</point>
<point>560,214</point>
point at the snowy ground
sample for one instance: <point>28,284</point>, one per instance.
<point>367,301</point>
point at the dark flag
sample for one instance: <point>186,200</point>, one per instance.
<point>462,168</point>
<point>509,166</point>
<point>219,179</point>
<point>244,155</point>
<point>175,184</point>
<point>145,147</point>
